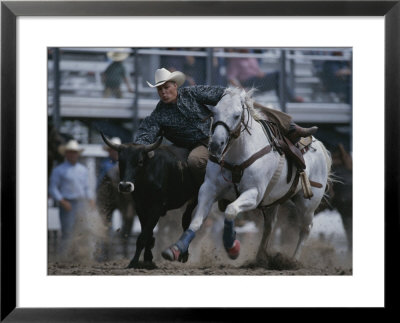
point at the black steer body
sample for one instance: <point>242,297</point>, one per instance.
<point>159,180</point>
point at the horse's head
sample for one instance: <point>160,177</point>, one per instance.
<point>229,115</point>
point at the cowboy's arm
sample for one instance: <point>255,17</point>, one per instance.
<point>207,94</point>
<point>149,130</point>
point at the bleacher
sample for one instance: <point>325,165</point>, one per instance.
<point>81,88</point>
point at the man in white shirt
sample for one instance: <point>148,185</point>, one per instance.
<point>69,186</point>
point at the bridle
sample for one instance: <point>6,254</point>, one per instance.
<point>233,133</point>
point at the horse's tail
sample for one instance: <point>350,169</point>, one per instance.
<point>328,159</point>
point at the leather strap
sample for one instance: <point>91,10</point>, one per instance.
<point>276,176</point>
<point>315,184</point>
<point>289,193</point>
<point>237,170</point>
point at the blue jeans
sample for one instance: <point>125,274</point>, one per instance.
<point>68,220</point>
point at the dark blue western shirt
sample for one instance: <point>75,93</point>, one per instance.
<point>186,123</point>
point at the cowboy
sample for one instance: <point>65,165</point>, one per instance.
<point>109,162</point>
<point>115,74</point>
<point>182,117</point>
<point>69,187</point>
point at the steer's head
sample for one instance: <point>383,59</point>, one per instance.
<point>131,159</point>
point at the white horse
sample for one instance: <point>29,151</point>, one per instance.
<point>235,138</point>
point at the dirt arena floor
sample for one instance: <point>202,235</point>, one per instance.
<point>325,252</point>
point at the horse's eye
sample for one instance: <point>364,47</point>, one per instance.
<point>237,116</point>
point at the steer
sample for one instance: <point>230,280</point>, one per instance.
<point>159,180</point>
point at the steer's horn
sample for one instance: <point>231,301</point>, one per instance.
<point>109,143</point>
<point>153,146</point>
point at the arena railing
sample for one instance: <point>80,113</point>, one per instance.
<point>92,105</point>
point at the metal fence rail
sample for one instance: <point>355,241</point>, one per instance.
<point>76,81</point>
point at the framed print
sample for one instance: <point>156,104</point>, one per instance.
<point>37,35</point>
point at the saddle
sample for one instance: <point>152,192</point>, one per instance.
<point>294,155</point>
<point>283,145</point>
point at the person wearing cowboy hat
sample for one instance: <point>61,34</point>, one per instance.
<point>115,74</point>
<point>109,162</point>
<point>69,187</point>
<point>182,116</point>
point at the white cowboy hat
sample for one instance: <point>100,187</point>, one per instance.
<point>71,145</point>
<point>118,55</point>
<point>162,76</point>
<point>114,140</point>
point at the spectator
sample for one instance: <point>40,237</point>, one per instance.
<point>109,162</point>
<point>246,72</point>
<point>219,69</point>
<point>336,77</point>
<point>69,187</point>
<point>172,62</point>
<point>115,74</point>
<point>194,67</point>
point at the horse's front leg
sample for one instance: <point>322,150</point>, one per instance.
<point>207,196</point>
<point>247,201</point>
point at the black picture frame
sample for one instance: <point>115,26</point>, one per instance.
<point>10,10</point>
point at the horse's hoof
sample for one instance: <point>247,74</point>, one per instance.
<point>234,251</point>
<point>172,253</point>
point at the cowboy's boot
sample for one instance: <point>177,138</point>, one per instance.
<point>296,132</point>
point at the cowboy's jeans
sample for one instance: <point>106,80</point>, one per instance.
<point>197,162</point>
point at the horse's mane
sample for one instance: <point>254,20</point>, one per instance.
<point>258,111</point>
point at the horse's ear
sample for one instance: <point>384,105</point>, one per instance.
<point>248,100</point>
<point>250,93</point>
<point>243,96</point>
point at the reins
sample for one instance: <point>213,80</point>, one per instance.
<point>235,133</point>
<point>237,170</point>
